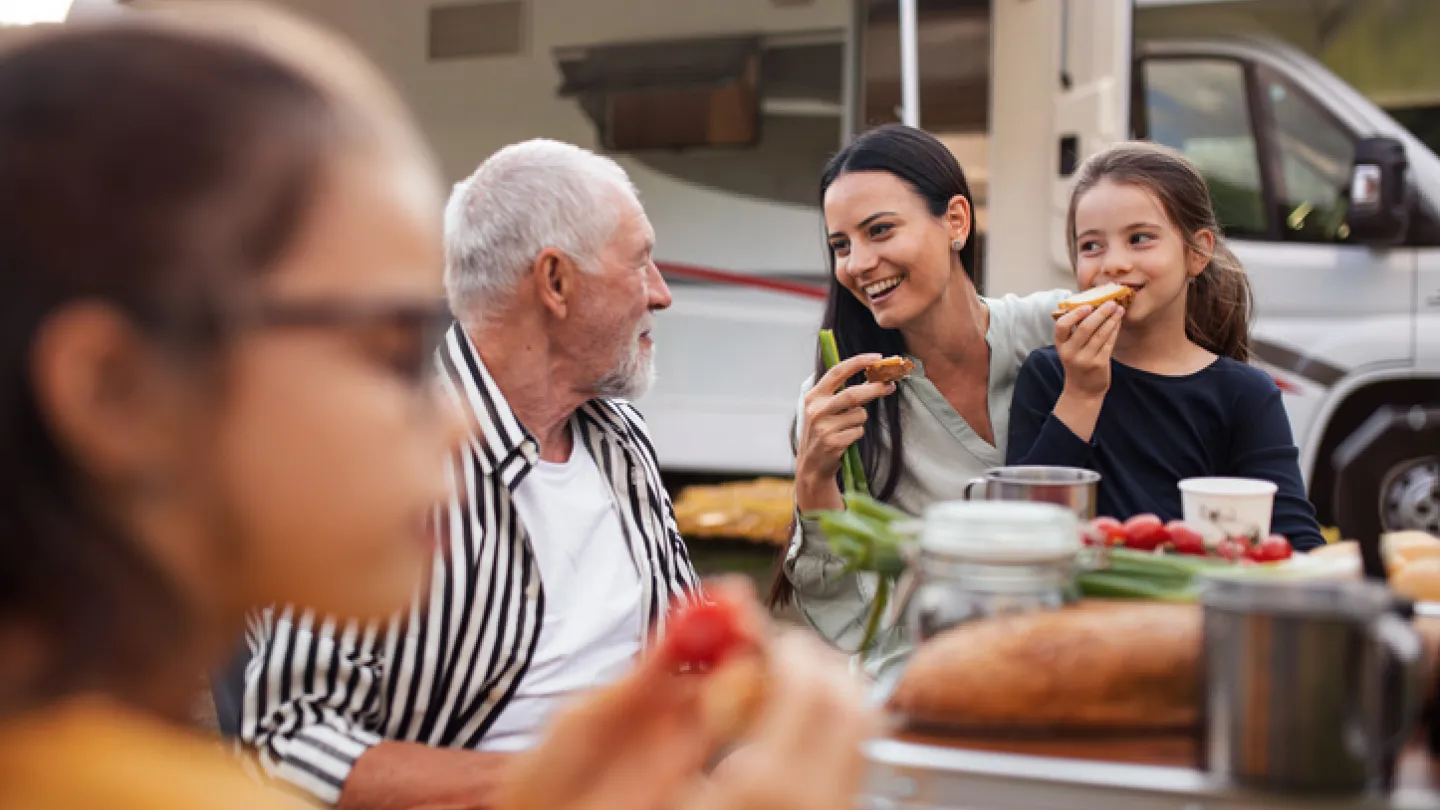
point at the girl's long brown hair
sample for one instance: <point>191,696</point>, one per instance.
<point>1219,303</point>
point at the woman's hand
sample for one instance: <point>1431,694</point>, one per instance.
<point>832,421</point>
<point>806,750</point>
<point>635,745</point>
<point>642,743</point>
<point>1085,339</point>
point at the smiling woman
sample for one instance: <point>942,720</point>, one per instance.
<point>899,221</point>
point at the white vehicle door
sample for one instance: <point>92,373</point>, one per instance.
<point>1061,89</point>
<point>1427,316</point>
<point>1092,97</point>
<point>1278,163</point>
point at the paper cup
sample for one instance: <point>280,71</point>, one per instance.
<point>1226,507</point>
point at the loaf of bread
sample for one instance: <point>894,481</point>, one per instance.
<point>1095,666</point>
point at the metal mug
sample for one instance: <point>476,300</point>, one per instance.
<point>1310,687</point>
<point>1070,487</point>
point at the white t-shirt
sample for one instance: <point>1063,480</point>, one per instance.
<point>593,622</point>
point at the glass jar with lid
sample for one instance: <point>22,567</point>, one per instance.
<point>984,558</point>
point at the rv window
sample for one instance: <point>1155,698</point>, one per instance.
<point>669,94</point>
<point>1200,107</point>
<point>1314,156</point>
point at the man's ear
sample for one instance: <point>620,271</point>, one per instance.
<point>554,274</point>
<point>1202,253</point>
<point>98,385</point>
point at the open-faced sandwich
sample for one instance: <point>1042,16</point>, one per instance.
<point>891,369</point>
<point>713,639</point>
<point>1094,297</point>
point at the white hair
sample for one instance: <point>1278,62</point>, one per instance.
<point>525,198</point>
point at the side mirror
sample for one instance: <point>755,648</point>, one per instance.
<point>1379,211</point>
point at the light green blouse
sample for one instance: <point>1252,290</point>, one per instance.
<point>942,454</point>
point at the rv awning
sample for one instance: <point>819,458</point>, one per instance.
<point>598,70</point>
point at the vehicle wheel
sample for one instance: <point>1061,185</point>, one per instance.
<point>1387,474</point>
<point>1410,496</point>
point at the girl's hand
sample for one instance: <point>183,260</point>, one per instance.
<point>806,750</point>
<point>1085,339</point>
<point>642,743</point>
<point>832,421</point>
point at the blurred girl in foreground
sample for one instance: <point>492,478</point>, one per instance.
<point>219,289</point>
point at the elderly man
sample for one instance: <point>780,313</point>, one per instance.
<point>558,552</point>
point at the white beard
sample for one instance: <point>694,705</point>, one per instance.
<point>633,376</point>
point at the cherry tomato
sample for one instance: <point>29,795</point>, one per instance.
<point>1185,539</point>
<point>1145,533</point>
<point>1274,549</point>
<point>1110,531</point>
<point>702,635</point>
<point>1231,549</point>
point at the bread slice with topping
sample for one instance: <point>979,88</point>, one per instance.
<point>891,369</point>
<point>1094,297</point>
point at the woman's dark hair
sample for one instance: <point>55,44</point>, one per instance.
<point>1219,301</point>
<point>930,169</point>
<point>156,171</point>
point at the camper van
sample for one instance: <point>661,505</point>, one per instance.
<point>724,114</point>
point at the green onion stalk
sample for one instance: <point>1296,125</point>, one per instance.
<point>860,534</point>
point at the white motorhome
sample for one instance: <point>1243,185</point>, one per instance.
<point>724,114</point>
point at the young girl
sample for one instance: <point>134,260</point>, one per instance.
<point>219,269</point>
<point>1160,391</point>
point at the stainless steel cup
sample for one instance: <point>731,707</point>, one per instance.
<point>1310,687</point>
<point>1070,487</point>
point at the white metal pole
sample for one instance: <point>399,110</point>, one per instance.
<point>909,65</point>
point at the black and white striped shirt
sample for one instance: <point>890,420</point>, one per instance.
<point>319,692</point>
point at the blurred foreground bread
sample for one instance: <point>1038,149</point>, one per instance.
<point>734,695</point>
<point>1097,665</point>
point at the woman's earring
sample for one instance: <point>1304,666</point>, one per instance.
<point>958,245</point>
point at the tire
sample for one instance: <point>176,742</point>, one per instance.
<point>1387,474</point>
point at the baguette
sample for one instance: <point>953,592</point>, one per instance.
<point>891,369</point>
<point>1094,297</point>
<point>1096,666</point>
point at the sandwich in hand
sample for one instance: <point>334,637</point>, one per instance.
<point>1094,297</point>
<point>891,369</point>
<point>715,639</point>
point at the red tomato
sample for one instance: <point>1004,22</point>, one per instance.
<point>704,634</point>
<point>1185,539</point>
<point>1110,531</point>
<point>1231,549</point>
<point>1145,533</point>
<point>1273,549</point>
